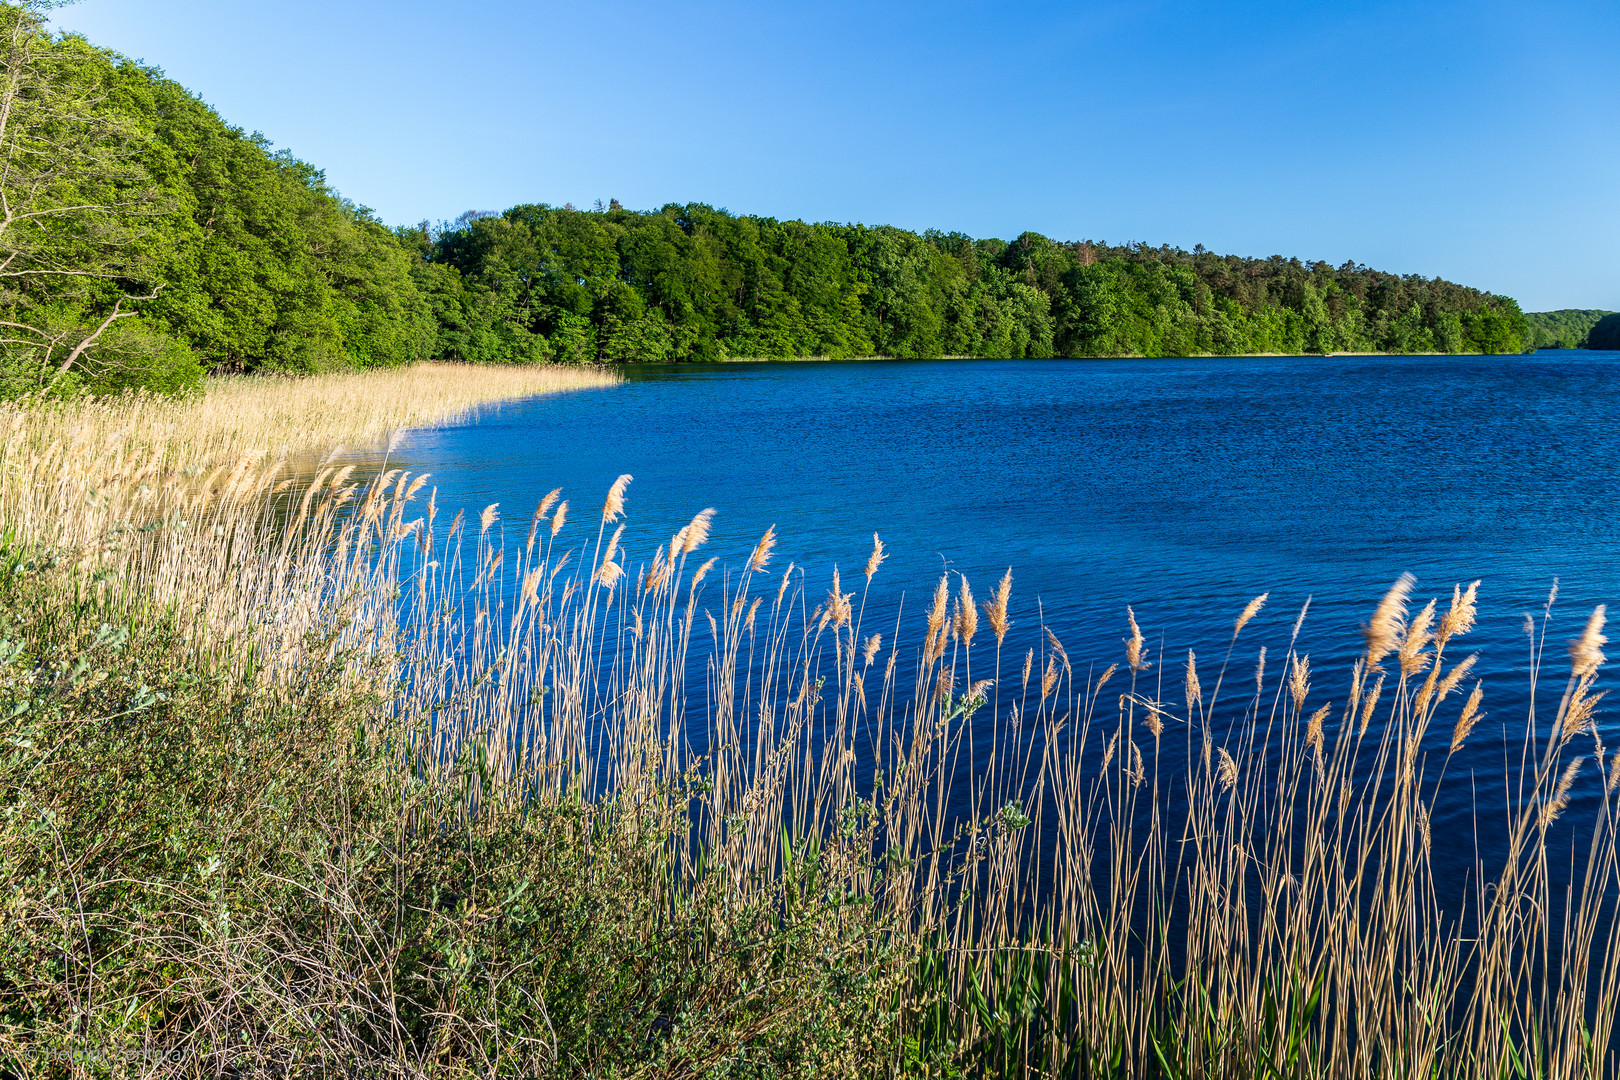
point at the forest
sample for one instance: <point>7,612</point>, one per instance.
<point>152,242</point>
<point>1564,329</point>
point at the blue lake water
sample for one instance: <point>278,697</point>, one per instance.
<point>1179,487</point>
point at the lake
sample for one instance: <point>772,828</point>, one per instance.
<point>1180,488</point>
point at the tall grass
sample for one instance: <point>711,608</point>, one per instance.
<point>494,795</point>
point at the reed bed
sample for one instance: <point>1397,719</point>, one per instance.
<point>499,797</point>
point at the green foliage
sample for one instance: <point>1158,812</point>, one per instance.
<point>235,257</point>
<point>694,283</point>
<point>1564,329</point>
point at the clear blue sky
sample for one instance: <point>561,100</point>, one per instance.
<point>1475,140</point>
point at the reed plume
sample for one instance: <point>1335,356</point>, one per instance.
<point>696,532</point>
<point>1299,681</point>
<point>995,609</point>
<point>1586,651</point>
<point>1387,627</point>
<point>1459,618</point>
<point>613,506</point>
<point>874,560</point>
<point>967,615</point>
<point>1414,639</point>
<point>762,551</point>
<point>1133,644</point>
<point>1195,692</point>
<point>1250,610</point>
<point>1560,797</point>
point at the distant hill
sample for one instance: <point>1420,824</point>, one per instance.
<point>1606,334</point>
<point>1565,329</point>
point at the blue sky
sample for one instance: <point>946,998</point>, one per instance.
<point>1478,141</point>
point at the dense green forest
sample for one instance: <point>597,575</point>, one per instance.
<point>692,282</point>
<point>154,242</point>
<point>1564,329</point>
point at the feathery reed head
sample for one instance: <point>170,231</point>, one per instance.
<point>1560,796</point>
<point>839,604</point>
<point>1299,622</point>
<point>1249,612</point>
<point>1133,644</point>
<point>558,518</point>
<point>1580,707</point>
<point>1195,692</point>
<point>762,551</point>
<point>487,518</point>
<point>1454,676</point>
<point>613,507</point>
<point>613,544</point>
<point>1416,636</point>
<point>967,615</point>
<point>531,585</point>
<point>1384,631</point>
<point>1469,717</point>
<point>1049,677</point>
<point>1369,703</point>
<point>874,560</point>
<point>1586,651</point>
<point>1313,730</point>
<point>934,644</point>
<point>608,574</point>
<point>995,609</point>
<point>696,532</point>
<point>1299,680</point>
<point>703,571</point>
<point>1226,773</point>
<point>1459,618</point>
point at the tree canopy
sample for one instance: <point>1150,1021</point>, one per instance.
<point>693,282</point>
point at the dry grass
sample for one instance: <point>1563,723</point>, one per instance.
<point>1104,882</point>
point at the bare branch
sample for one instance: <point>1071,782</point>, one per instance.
<point>89,342</point>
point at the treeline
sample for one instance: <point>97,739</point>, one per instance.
<point>695,283</point>
<point>1564,329</point>
<point>150,242</point>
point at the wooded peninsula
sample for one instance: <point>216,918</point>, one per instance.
<point>150,242</point>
